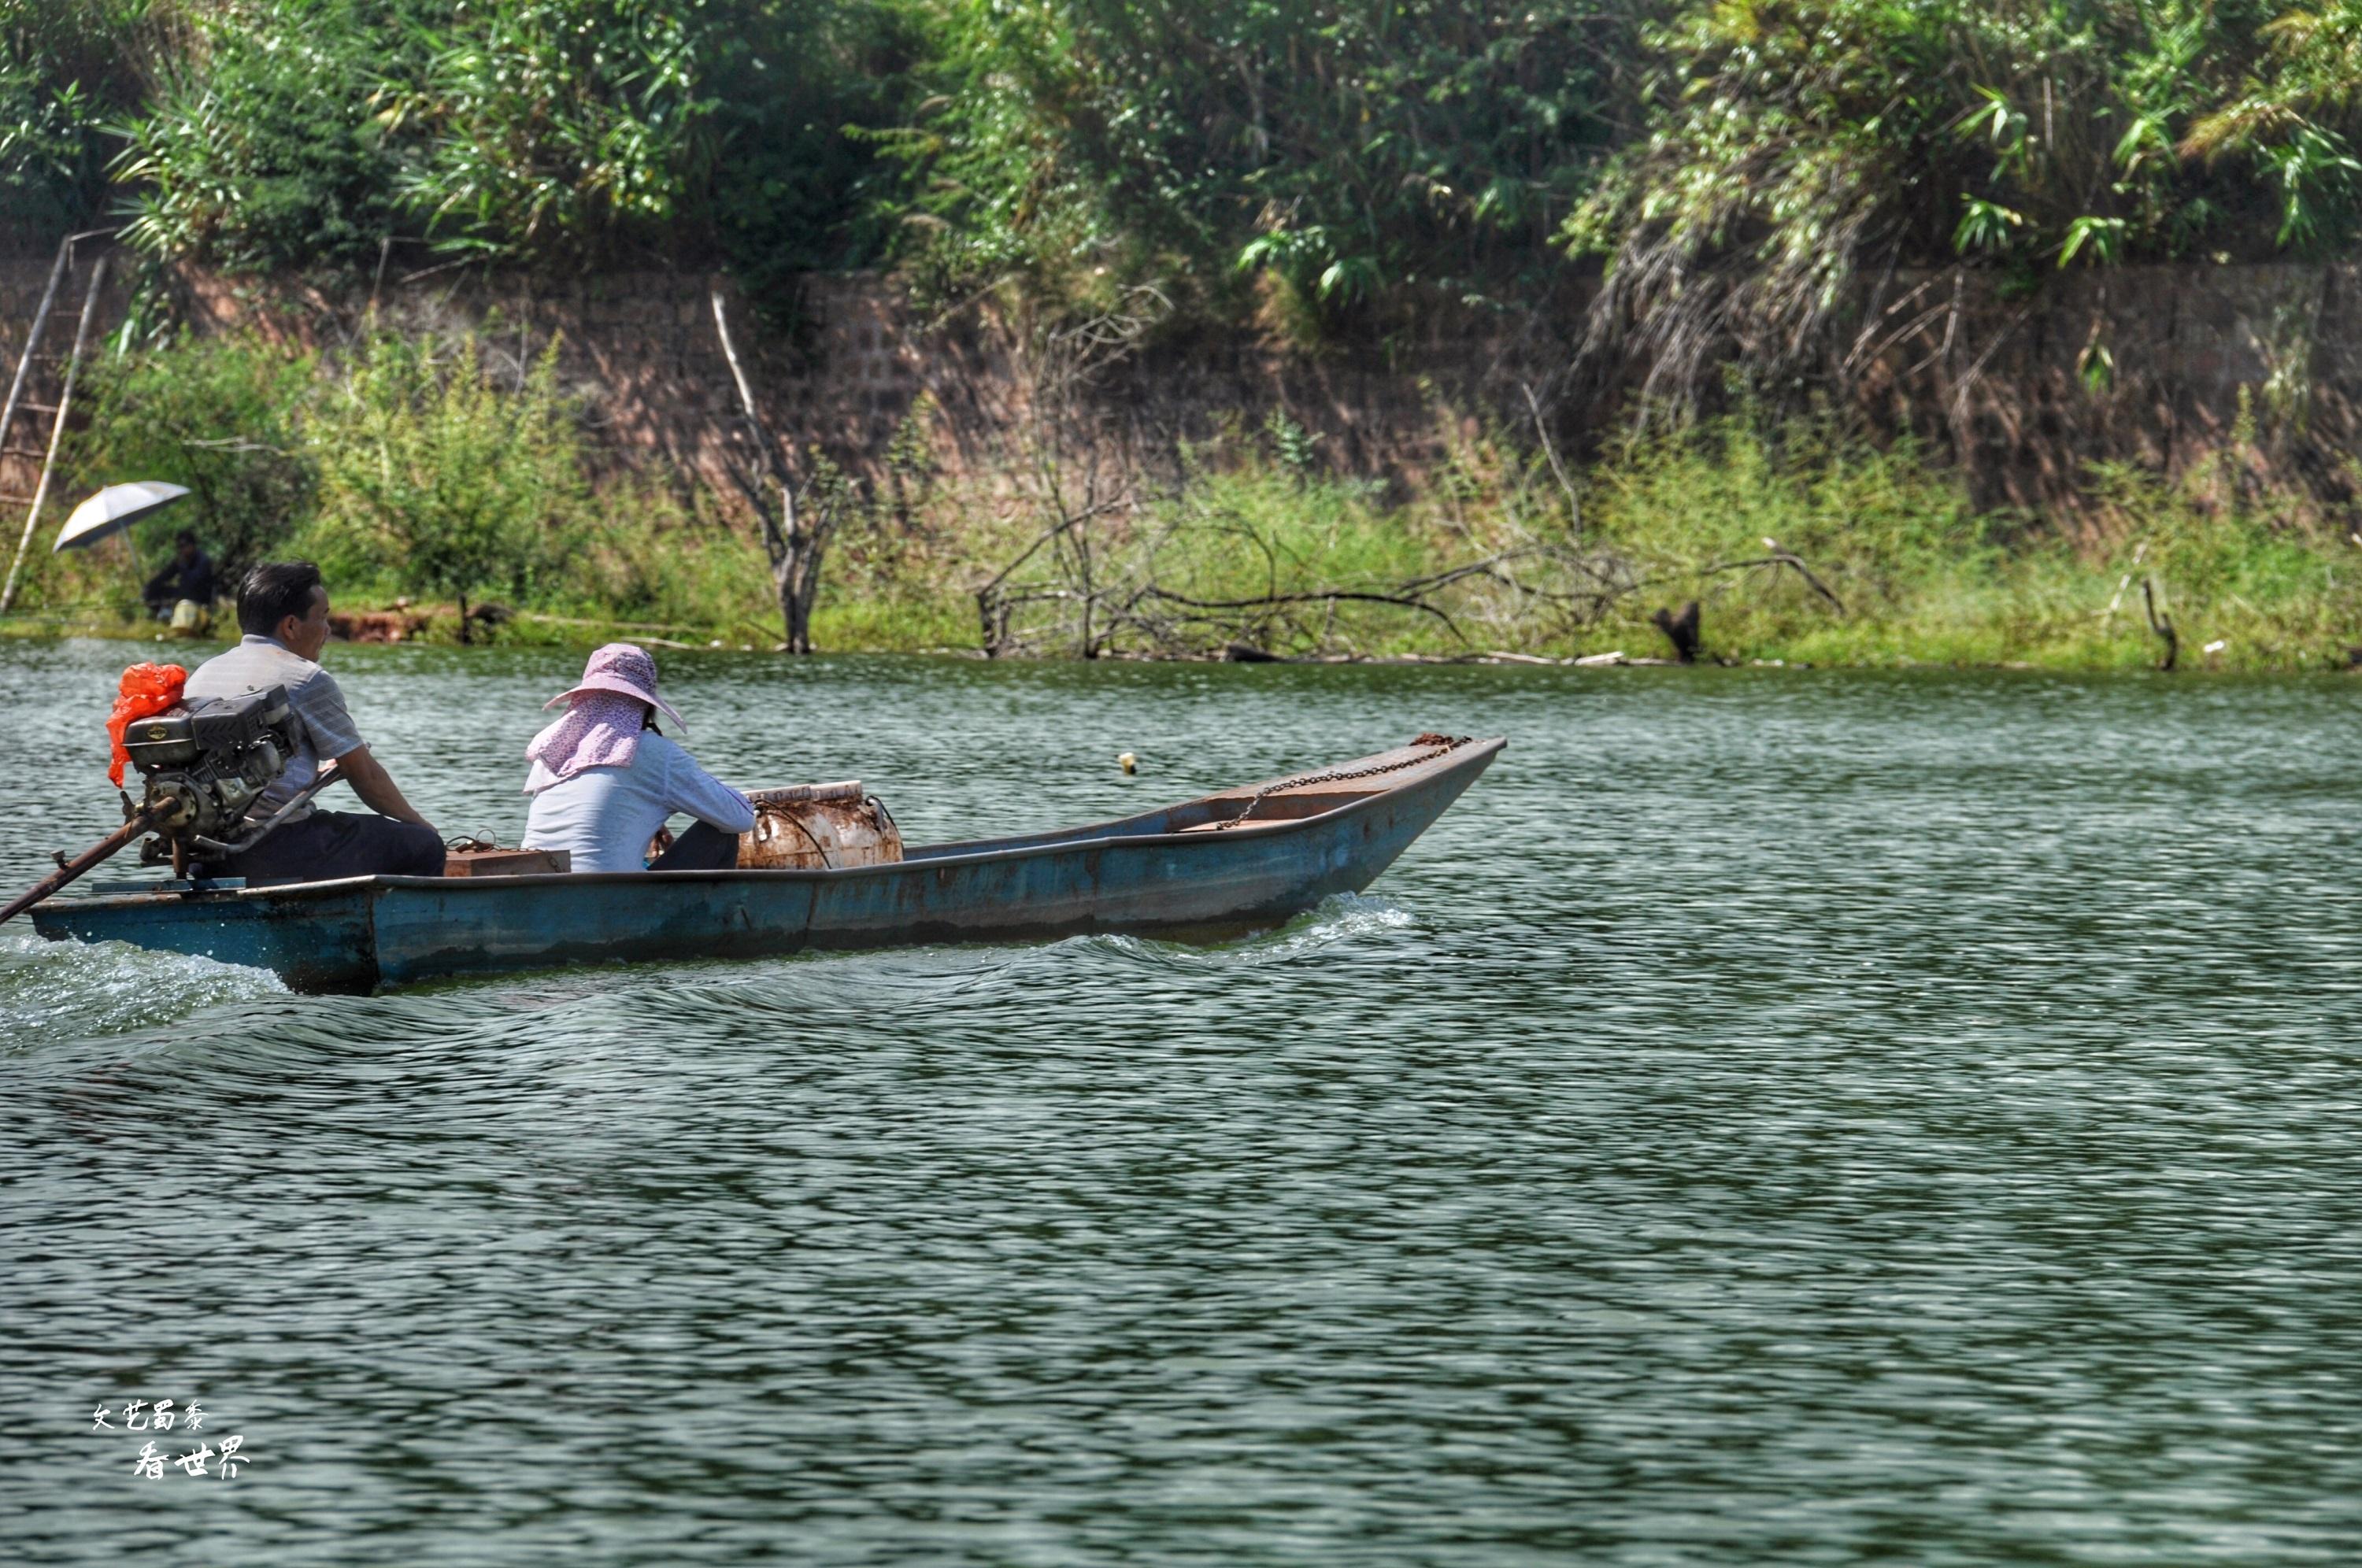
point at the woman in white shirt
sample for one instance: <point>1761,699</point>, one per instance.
<point>604,779</point>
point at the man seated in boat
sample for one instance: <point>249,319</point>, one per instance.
<point>283,607</point>
<point>605,781</point>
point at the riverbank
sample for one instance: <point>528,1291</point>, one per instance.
<point>1202,496</point>
<point>1798,544</point>
<point>2028,621</point>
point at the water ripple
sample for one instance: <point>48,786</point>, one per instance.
<point>1775,1117</point>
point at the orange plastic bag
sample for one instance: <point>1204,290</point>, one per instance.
<point>146,688</point>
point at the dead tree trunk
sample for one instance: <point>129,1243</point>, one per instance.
<point>1681,630</point>
<point>793,548</point>
<point>795,568</point>
<point>2162,625</point>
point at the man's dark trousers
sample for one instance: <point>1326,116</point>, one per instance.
<point>703,847</point>
<point>328,845</point>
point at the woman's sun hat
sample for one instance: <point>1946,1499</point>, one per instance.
<point>625,669</point>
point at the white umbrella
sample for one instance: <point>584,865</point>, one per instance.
<point>113,510</point>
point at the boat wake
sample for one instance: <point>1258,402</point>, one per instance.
<point>52,991</point>
<point>1347,916</point>
<point>813,987</point>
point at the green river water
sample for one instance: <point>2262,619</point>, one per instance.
<point>1776,1116</point>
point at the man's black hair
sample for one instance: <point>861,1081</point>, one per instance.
<point>185,536</point>
<point>272,591</point>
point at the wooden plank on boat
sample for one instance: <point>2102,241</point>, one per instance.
<point>506,862</point>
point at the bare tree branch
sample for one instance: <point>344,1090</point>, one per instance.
<point>1550,450</point>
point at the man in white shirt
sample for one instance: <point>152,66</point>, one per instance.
<point>283,607</point>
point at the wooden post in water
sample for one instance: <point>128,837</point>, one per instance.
<point>1681,630</point>
<point>2162,623</point>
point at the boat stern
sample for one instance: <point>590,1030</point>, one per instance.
<point>320,937</point>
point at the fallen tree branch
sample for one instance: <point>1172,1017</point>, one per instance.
<point>1549,451</point>
<point>1781,558</point>
<point>234,444</point>
<point>1323,596</point>
<point>1475,568</point>
<point>1790,558</point>
<point>1067,522</point>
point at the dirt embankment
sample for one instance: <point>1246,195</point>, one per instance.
<point>2255,373</point>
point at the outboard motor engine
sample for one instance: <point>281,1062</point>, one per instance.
<point>205,764</point>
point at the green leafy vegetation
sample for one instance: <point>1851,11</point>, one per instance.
<point>1793,143</point>
<point>435,475</point>
<point>69,69</point>
<point>2250,580</point>
<point>312,135</point>
<point>407,467</point>
<point>1341,149</point>
<point>260,151</point>
<point>1735,168</point>
<point>431,473</point>
<point>222,417</point>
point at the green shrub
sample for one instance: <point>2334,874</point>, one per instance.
<point>68,70</point>
<point>436,477</point>
<point>262,150</point>
<point>1791,144</point>
<point>223,417</point>
<point>2296,120</point>
<point>791,184</point>
<point>1346,147</point>
<point>307,134</point>
<point>648,557</point>
<point>550,126</point>
<point>1704,513</point>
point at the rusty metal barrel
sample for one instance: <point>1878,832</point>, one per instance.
<point>815,827</point>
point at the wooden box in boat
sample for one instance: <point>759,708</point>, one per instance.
<point>506,862</point>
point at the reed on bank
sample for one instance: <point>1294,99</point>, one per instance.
<point>427,474</point>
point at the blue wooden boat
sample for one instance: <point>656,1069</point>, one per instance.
<point>1214,867</point>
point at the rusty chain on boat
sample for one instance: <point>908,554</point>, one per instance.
<point>1443,745</point>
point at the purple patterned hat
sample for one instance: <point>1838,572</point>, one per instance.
<point>625,669</point>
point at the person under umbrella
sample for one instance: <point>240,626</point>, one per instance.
<point>187,579</point>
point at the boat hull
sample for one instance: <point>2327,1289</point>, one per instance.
<point>1137,876</point>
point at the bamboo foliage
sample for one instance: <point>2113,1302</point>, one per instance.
<point>1735,162</point>
<point>1792,146</point>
